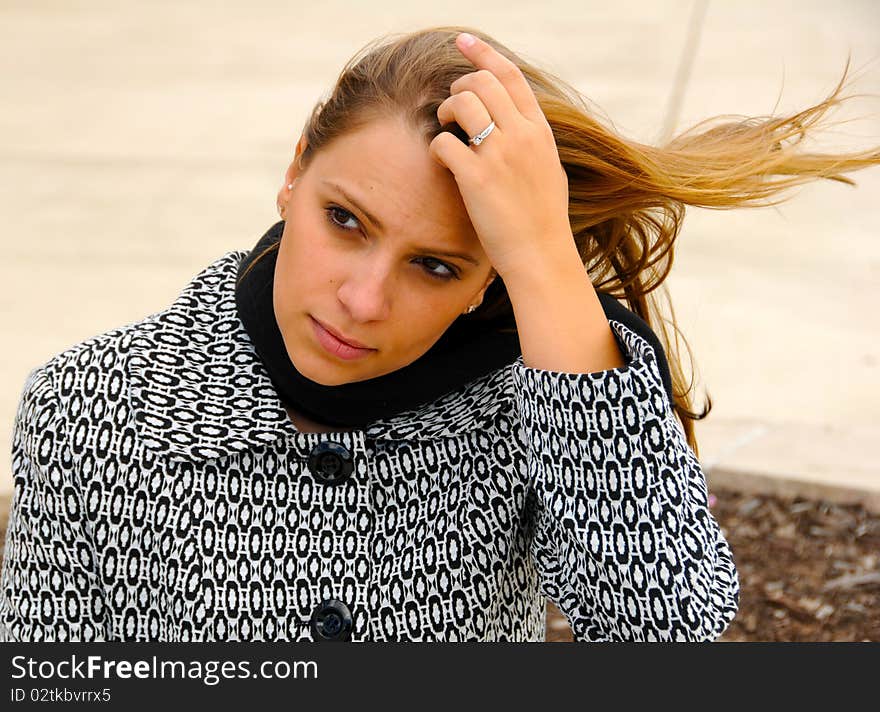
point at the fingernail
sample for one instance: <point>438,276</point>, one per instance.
<point>467,39</point>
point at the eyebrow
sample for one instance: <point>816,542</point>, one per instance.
<point>378,223</point>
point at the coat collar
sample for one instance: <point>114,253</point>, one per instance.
<point>199,390</point>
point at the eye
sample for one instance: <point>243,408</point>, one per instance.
<point>334,212</point>
<point>450,273</point>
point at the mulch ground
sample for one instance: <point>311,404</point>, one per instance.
<point>809,570</point>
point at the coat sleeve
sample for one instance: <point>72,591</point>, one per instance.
<point>622,536</point>
<point>49,587</point>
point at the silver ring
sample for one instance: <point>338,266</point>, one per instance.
<point>478,139</point>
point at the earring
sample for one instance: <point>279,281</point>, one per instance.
<point>471,309</point>
<point>290,186</point>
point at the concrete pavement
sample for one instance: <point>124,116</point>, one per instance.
<point>143,140</point>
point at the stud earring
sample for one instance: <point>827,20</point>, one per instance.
<point>471,309</point>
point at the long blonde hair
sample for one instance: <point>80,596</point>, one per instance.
<point>626,199</point>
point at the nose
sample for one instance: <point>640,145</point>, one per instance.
<point>366,292</point>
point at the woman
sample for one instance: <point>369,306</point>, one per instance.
<point>407,413</point>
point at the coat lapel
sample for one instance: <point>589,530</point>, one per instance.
<point>199,390</point>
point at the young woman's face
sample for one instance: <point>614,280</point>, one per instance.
<point>387,281</point>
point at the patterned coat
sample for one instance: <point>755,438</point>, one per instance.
<point>162,492</point>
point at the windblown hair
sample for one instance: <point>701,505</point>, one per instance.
<point>626,199</point>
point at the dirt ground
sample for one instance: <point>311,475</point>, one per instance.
<point>809,570</point>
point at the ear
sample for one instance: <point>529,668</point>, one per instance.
<point>291,175</point>
<point>489,279</point>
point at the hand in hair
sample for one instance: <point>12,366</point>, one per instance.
<point>513,184</point>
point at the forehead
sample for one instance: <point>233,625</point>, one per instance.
<point>385,166</point>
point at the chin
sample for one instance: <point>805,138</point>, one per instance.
<point>326,379</point>
<point>322,373</point>
<point>319,373</point>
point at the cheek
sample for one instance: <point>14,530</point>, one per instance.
<point>305,267</point>
<point>422,321</point>
<point>285,296</point>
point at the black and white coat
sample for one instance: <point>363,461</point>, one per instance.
<point>162,492</point>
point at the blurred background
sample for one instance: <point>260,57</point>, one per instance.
<point>141,141</point>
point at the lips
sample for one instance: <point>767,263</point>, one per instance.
<point>344,339</point>
<point>335,345</point>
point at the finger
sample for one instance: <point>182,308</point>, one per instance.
<point>448,151</point>
<point>493,95</point>
<point>468,111</point>
<point>484,56</point>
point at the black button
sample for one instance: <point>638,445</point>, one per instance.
<point>331,463</point>
<point>331,620</point>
